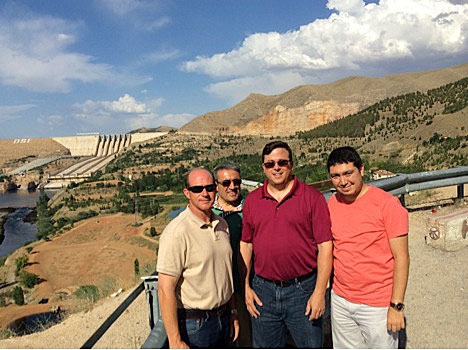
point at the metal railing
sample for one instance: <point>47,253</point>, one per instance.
<point>398,186</point>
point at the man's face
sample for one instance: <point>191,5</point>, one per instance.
<point>204,200</point>
<point>277,174</point>
<point>347,179</point>
<point>231,192</point>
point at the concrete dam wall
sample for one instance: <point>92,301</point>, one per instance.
<point>103,145</point>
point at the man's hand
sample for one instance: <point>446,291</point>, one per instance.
<point>177,344</point>
<point>234,328</point>
<point>315,306</point>
<point>395,320</point>
<point>250,299</point>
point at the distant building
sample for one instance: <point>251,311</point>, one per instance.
<point>251,184</point>
<point>382,174</point>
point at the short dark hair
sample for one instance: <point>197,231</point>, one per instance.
<point>187,184</point>
<point>269,147</point>
<point>226,166</point>
<point>342,155</point>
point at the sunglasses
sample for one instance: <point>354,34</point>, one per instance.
<point>227,183</point>
<point>281,163</point>
<point>199,189</point>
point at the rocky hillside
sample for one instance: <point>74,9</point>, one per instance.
<point>308,106</point>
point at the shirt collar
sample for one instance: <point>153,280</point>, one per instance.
<point>295,190</point>
<point>218,206</point>
<point>200,223</point>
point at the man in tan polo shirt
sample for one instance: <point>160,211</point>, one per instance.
<point>195,272</point>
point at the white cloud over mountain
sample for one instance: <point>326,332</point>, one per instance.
<point>126,111</point>
<point>355,39</point>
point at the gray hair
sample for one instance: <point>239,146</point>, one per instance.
<point>187,184</point>
<point>226,166</point>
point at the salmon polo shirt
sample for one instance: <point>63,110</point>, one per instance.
<point>285,234</point>
<point>363,261</point>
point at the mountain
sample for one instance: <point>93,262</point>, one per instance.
<point>309,106</point>
<point>162,128</point>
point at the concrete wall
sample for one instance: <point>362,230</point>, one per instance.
<point>103,145</point>
<point>80,145</point>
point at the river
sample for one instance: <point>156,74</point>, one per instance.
<point>16,231</point>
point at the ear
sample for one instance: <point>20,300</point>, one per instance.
<point>187,193</point>
<point>362,170</point>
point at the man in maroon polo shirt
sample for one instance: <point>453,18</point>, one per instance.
<point>286,226</point>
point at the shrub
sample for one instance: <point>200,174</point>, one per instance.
<point>152,231</point>
<point>89,292</point>
<point>20,264</point>
<point>18,295</point>
<point>28,279</point>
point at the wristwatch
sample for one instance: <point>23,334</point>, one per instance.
<point>397,306</point>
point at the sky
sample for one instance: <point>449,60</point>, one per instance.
<point>111,66</point>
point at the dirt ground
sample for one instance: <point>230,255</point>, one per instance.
<point>100,251</point>
<point>436,299</point>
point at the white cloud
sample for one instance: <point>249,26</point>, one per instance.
<point>176,120</point>
<point>14,112</point>
<point>355,39</point>
<point>159,56</point>
<point>35,55</point>
<point>141,13</point>
<point>51,120</point>
<point>126,111</point>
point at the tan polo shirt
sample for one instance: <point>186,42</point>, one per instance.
<point>200,255</point>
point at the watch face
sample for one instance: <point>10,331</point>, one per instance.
<point>399,306</point>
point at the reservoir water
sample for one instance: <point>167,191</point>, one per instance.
<point>16,231</point>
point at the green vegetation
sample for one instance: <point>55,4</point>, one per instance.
<point>18,295</point>
<point>28,279</point>
<point>136,266</point>
<point>395,113</point>
<point>20,264</point>
<point>88,292</point>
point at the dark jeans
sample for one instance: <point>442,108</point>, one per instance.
<point>207,332</point>
<point>284,309</point>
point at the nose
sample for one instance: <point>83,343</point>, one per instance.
<point>343,180</point>
<point>232,186</point>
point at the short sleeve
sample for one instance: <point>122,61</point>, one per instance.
<point>247,227</point>
<point>395,218</point>
<point>171,254</point>
<point>321,224</point>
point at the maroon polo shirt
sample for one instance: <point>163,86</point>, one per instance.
<point>285,234</point>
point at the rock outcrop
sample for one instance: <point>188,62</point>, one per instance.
<point>308,106</point>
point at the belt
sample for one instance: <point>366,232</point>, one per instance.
<point>287,283</point>
<point>196,313</point>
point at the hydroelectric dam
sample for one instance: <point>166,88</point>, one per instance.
<point>94,152</point>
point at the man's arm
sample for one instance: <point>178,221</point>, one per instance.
<point>234,327</point>
<point>168,305</point>
<point>250,296</point>
<point>316,304</point>
<point>399,247</point>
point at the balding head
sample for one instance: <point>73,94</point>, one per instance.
<point>195,173</point>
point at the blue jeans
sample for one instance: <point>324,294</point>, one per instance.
<point>284,309</point>
<point>207,332</point>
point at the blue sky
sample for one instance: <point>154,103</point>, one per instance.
<point>110,66</point>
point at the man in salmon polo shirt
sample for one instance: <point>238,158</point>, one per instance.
<point>286,227</point>
<point>371,259</point>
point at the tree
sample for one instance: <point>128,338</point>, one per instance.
<point>28,279</point>
<point>18,295</point>
<point>137,267</point>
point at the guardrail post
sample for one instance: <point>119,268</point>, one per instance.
<point>460,191</point>
<point>402,200</point>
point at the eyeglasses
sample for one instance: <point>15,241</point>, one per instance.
<point>199,189</point>
<point>270,164</point>
<point>227,183</point>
